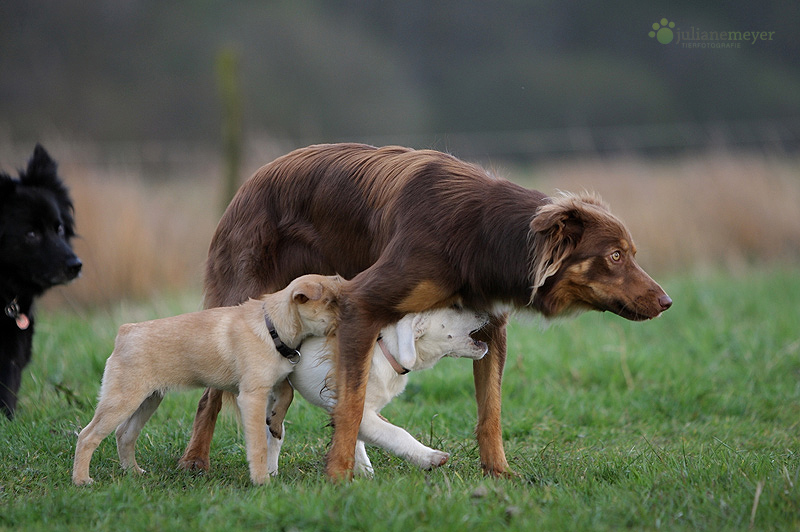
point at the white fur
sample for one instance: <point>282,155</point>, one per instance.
<point>417,341</point>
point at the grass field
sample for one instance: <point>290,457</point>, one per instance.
<point>689,422</point>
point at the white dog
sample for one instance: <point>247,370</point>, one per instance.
<point>416,342</point>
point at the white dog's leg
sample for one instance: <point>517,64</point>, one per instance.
<point>252,405</point>
<point>128,432</point>
<point>274,445</point>
<point>377,431</point>
<point>279,400</point>
<point>362,467</point>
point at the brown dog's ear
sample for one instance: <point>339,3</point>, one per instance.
<point>307,291</point>
<point>555,232</point>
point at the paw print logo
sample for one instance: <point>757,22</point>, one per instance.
<point>663,31</point>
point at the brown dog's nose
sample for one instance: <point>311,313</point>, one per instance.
<point>665,301</point>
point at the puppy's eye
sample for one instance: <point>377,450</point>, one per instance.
<point>32,237</point>
<point>616,256</point>
<point>60,230</point>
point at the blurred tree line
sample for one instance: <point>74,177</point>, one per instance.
<point>322,70</point>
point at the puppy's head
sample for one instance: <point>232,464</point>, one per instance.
<point>310,305</point>
<point>424,338</point>
<point>584,259</point>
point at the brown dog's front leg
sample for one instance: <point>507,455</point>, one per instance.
<point>352,371</point>
<point>488,374</point>
<point>197,454</point>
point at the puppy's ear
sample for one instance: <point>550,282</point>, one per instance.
<point>406,337</point>
<point>555,232</point>
<point>306,291</point>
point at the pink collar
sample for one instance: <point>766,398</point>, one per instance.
<point>392,361</point>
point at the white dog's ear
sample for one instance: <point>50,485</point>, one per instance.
<point>406,336</point>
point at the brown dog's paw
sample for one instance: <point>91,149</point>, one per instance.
<point>498,472</point>
<point>197,463</point>
<point>339,470</point>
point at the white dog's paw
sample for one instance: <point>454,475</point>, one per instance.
<point>363,470</point>
<point>436,459</point>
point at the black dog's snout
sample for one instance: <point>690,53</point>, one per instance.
<point>73,267</point>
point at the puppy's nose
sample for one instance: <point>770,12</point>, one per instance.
<point>665,301</point>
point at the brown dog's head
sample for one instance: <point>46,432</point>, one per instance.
<point>307,307</point>
<point>583,259</point>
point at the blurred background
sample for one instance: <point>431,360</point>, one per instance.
<point>157,110</point>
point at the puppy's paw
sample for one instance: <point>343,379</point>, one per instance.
<point>88,481</point>
<point>437,459</point>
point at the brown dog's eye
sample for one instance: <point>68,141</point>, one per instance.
<point>616,256</point>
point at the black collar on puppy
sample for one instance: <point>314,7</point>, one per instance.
<point>292,355</point>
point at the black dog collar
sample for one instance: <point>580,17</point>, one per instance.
<point>292,355</point>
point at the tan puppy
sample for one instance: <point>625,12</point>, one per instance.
<point>228,348</point>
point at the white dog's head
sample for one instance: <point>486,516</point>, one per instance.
<point>421,339</point>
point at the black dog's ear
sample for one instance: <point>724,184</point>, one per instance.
<point>42,171</point>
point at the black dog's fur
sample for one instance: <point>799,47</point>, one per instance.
<point>36,225</point>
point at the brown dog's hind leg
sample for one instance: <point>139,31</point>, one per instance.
<point>488,374</point>
<point>197,454</point>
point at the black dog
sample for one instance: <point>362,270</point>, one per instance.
<point>36,225</point>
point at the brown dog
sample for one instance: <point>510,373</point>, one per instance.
<point>230,348</point>
<point>417,230</point>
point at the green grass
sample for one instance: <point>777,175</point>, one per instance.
<point>689,422</point>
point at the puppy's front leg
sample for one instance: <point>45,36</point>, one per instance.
<point>253,404</point>
<point>375,430</point>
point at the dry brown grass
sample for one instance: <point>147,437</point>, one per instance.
<point>137,238</point>
<point>727,210</point>
<point>142,237</point>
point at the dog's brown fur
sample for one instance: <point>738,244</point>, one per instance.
<point>229,348</point>
<point>416,230</point>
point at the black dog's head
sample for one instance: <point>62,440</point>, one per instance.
<point>36,225</point>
